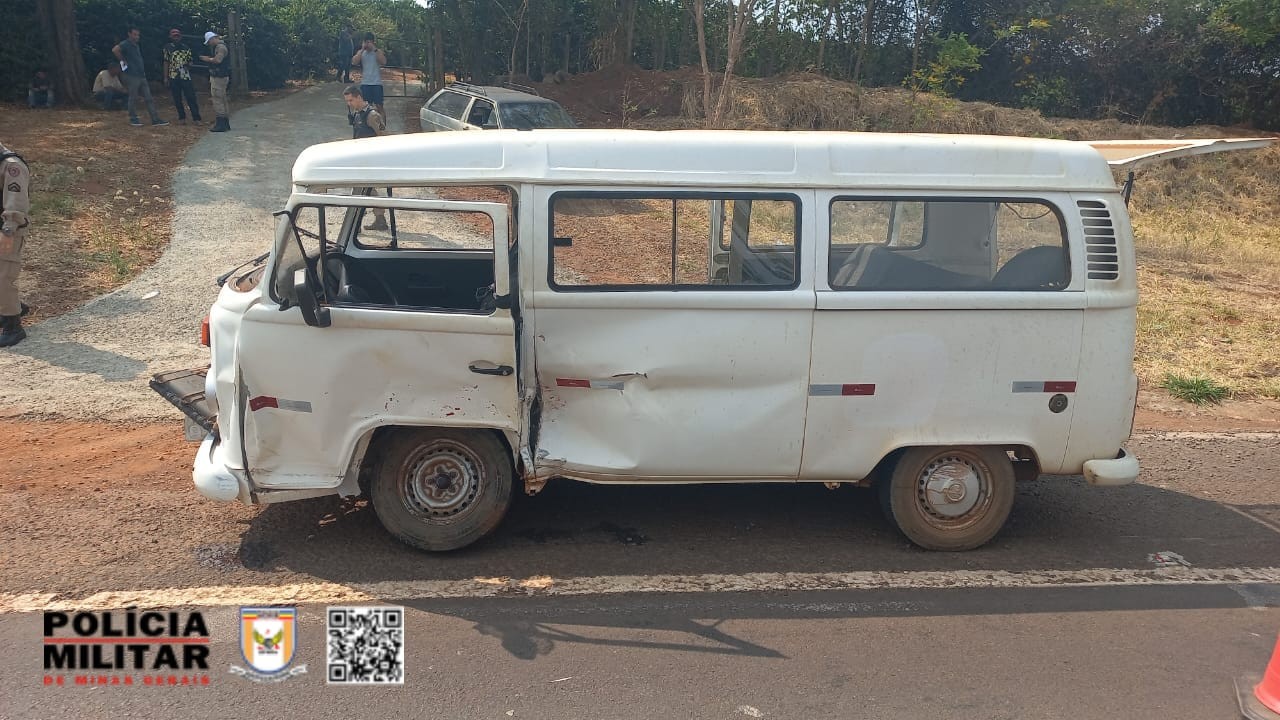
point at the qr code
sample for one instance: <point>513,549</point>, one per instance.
<point>366,645</point>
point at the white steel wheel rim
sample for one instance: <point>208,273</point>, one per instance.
<point>440,480</point>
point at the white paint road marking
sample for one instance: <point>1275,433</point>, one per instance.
<point>545,586</point>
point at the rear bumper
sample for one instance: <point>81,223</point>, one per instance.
<point>185,389</point>
<point>1122,470</point>
<point>212,477</point>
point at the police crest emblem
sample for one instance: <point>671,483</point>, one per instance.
<point>268,642</point>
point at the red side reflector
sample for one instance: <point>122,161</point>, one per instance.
<point>861,389</point>
<point>1061,386</point>
<point>263,401</point>
<point>204,331</point>
<point>573,382</point>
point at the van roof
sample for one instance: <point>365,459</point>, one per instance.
<point>726,158</point>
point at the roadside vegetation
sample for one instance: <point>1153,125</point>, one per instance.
<point>1208,229</point>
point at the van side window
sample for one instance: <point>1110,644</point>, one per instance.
<point>640,242</point>
<point>954,244</point>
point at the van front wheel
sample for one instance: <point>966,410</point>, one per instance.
<point>441,489</point>
<point>954,498</point>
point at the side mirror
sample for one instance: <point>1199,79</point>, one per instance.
<point>312,313</point>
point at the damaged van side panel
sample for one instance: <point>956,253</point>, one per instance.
<point>412,369</point>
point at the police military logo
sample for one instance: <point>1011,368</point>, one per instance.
<point>268,639</point>
<point>13,171</point>
<point>14,187</point>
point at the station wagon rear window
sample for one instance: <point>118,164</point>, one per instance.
<point>679,241</point>
<point>926,244</point>
<point>451,104</point>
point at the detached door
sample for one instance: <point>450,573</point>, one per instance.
<point>415,336</point>
<point>657,358</point>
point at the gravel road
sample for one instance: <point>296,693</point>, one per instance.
<point>94,362</point>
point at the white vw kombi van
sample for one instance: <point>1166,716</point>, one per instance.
<point>446,317</point>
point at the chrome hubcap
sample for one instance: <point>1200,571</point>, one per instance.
<point>953,490</point>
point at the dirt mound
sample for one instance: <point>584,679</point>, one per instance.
<point>621,96</point>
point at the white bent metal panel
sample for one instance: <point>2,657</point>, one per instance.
<point>725,158</point>
<point>1133,154</point>
<point>672,392</point>
<point>371,367</point>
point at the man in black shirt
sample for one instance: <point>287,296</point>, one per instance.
<point>177,74</point>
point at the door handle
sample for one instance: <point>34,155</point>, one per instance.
<point>487,368</point>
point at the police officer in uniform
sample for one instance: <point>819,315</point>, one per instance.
<point>364,118</point>
<point>219,78</point>
<point>366,122</point>
<point>16,204</point>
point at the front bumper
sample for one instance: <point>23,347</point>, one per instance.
<point>212,478</point>
<point>1122,470</point>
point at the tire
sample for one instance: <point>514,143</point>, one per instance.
<point>949,498</point>
<point>413,501</point>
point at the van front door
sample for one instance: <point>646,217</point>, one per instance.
<point>419,332</point>
<point>656,361</point>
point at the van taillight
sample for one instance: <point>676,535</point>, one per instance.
<point>204,331</point>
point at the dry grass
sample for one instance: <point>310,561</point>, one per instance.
<point>1207,229</point>
<point>101,204</point>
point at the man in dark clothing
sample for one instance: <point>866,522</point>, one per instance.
<point>135,78</point>
<point>346,48</point>
<point>177,73</point>
<point>40,94</point>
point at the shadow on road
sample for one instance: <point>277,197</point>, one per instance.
<point>528,628</point>
<point>78,357</point>
<point>579,530</point>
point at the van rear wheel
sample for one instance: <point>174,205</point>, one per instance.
<point>951,498</point>
<point>442,489</point>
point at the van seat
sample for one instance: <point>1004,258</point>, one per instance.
<point>1037,268</point>
<point>875,267</point>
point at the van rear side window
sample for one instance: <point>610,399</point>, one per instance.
<point>651,242</point>
<point>954,244</point>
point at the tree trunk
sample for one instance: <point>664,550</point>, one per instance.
<point>660,47</point>
<point>515,42</point>
<point>632,7</point>
<point>826,30</point>
<point>700,25</point>
<point>437,47</point>
<point>58,20</point>
<point>866,40</point>
<point>739,17</point>
<point>771,32</point>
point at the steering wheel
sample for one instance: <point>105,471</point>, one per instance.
<point>346,280</point>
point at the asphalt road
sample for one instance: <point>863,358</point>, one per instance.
<point>599,602</point>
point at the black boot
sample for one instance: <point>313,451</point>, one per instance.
<point>11,332</point>
<point>220,124</point>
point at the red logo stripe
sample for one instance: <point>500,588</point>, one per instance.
<point>573,382</point>
<point>1060,386</point>
<point>858,389</point>
<point>263,401</point>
